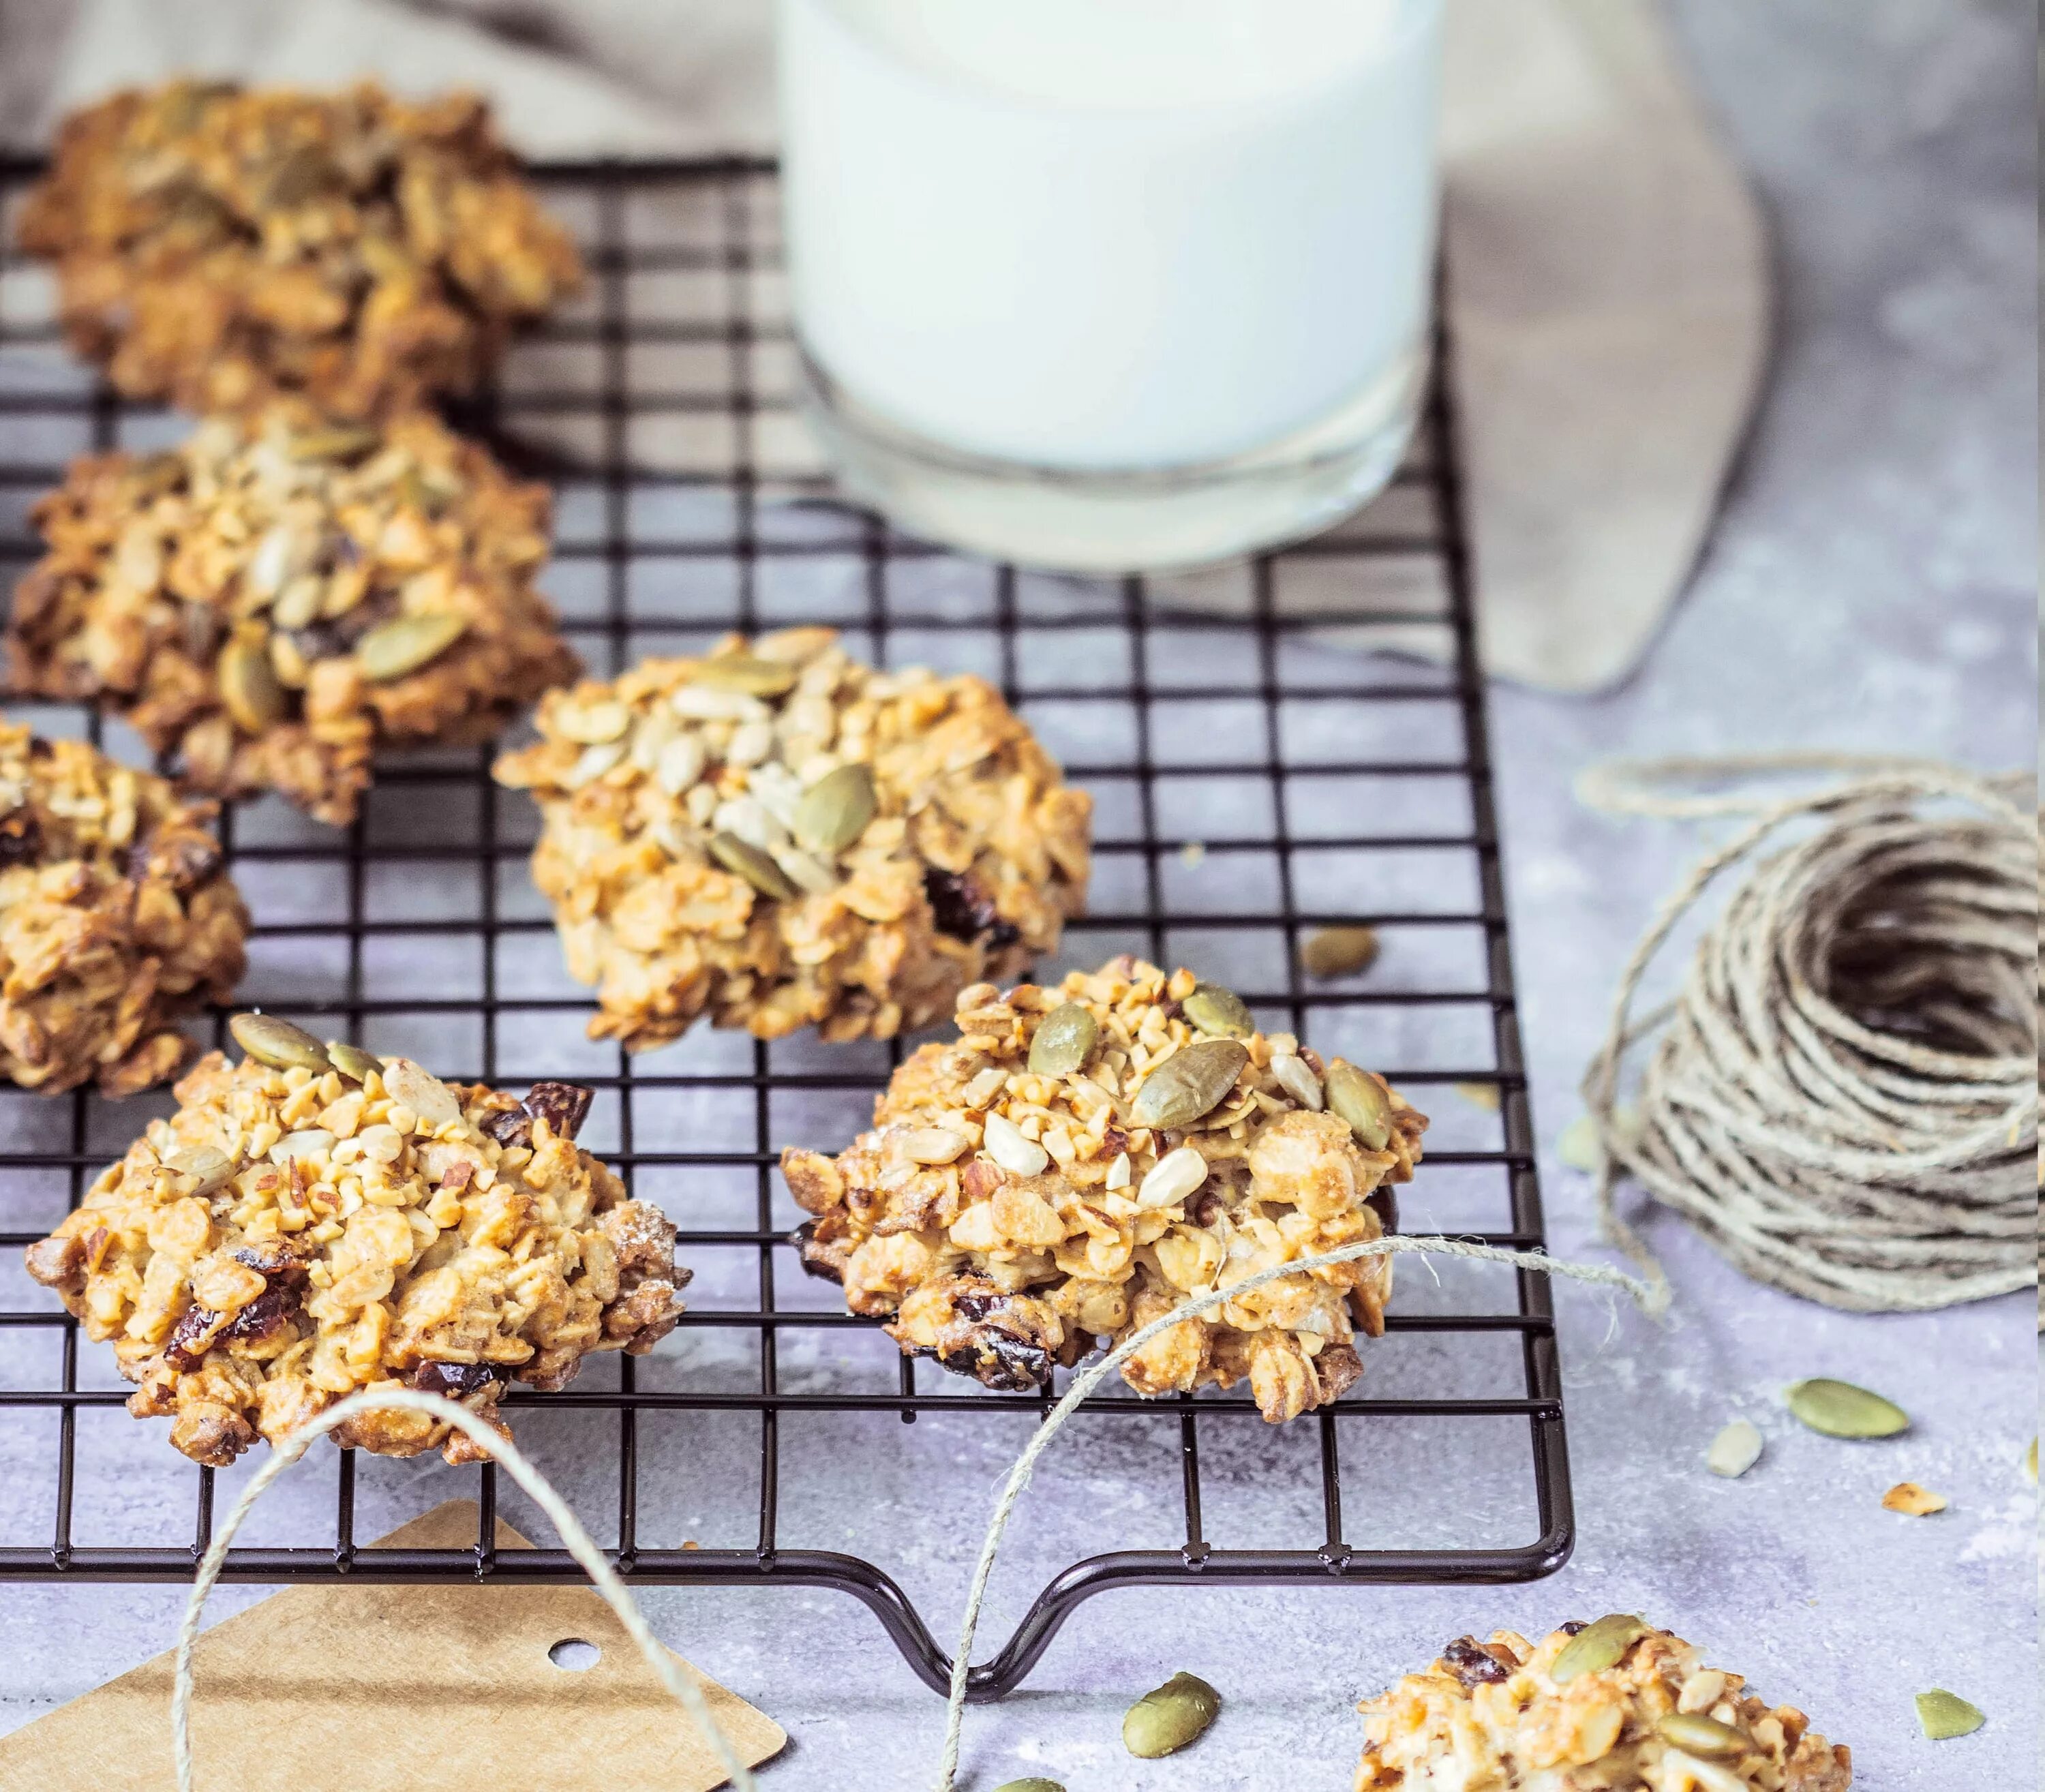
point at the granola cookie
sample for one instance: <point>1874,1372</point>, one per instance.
<point>274,600</point>
<point>314,1220</point>
<point>1084,1158</point>
<point>214,246</point>
<point>781,837</point>
<point>116,919</point>
<point>1616,1706</point>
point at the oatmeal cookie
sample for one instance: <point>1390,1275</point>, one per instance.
<point>1616,1705</point>
<point>781,837</point>
<point>1086,1156</point>
<point>115,918</point>
<point>276,599</point>
<point>214,246</point>
<point>314,1220</point>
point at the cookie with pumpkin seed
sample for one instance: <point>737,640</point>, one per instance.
<point>214,246</point>
<point>1084,1158</point>
<point>316,1220</point>
<point>276,597</point>
<point>1615,1703</point>
<point>778,836</point>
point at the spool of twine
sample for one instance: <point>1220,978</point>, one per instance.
<point>584,1548</point>
<point>1842,1094</point>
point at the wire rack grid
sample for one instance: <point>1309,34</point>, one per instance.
<point>1255,779</point>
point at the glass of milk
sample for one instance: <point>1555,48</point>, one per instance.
<point>1112,284</point>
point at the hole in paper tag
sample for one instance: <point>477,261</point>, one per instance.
<point>575,1654</point>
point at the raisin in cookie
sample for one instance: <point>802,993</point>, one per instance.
<point>1084,1158</point>
<point>274,600</point>
<point>1616,1705</point>
<point>780,837</point>
<point>315,1220</point>
<point>117,918</point>
<point>214,246</point>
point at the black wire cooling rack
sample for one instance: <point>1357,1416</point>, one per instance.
<point>1253,782</point>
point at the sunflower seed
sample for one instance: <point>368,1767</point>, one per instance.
<point>592,763</point>
<point>1734,1450</point>
<point>285,551</point>
<point>1219,1012</point>
<point>680,763</point>
<point>750,821</point>
<point>353,1062</point>
<point>1360,1099</point>
<point>1172,1178</point>
<point>751,743</point>
<point>1064,1040</point>
<point>422,1091</point>
<point>210,1169</point>
<point>743,673</point>
<point>1840,1410</point>
<point>394,649</point>
<point>1943,1715</point>
<point>276,1042</point>
<point>313,1142</point>
<point>592,723</point>
<point>806,871</point>
<point>834,810</point>
<point>651,736</point>
<point>1163,1721</point>
<point>1696,1734</point>
<point>1597,1646</point>
<point>2030,1463</point>
<point>298,603</point>
<point>744,860</point>
<point>1478,1095</point>
<point>698,702</point>
<point>249,684</point>
<point>1193,1081</point>
<point>343,441</point>
<point>1296,1077</point>
<point>1913,1501</point>
<point>1014,1151</point>
<point>1339,951</point>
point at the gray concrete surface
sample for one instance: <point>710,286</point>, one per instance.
<point>1873,583</point>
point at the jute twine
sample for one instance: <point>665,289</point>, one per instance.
<point>585,1550</point>
<point>1842,1095</point>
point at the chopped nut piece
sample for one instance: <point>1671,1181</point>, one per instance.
<point>214,246</point>
<point>116,919</point>
<point>1494,1714</point>
<point>428,1255</point>
<point>1003,1266</point>
<point>781,837</point>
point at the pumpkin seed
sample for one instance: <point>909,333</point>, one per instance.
<point>249,684</point>
<point>277,1043</point>
<point>341,441</point>
<point>1339,951</point>
<point>744,860</point>
<point>1943,1715</point>
<point>1064,1040</point>
<point>1219,1012</point>
<point>1037,1784</point>
<point>1359,1098</point>
<point>834,810</point>
<point>1913,1501</point>
<point>422,1091</point>
<point>1735,1450</point>
<point>2030,1463</point>
<point>353,1062</point>
<point>1840,1410</point>
<point>1696,1734</point>
<point>741,672</point>
<point>1194,1081</point>
<point>394,648</point>
<point>209,1168</point>
<point>1597,1646</point>
<point>1165,1721</point>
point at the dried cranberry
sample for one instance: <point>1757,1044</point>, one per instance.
<point>265,1315</point>
<point>21,838</point>
<point>1474,1664</point>
<point>959,909</point>
<point>39,748</point>
<point>509,1126</point>
<point>563,1106</point>
<point>1572,1627</point>
<point>453,1379</point>
<point>815,1258</point>
<point>1383,1200</point>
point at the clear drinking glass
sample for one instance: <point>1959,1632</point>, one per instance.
<point>1110,284</point>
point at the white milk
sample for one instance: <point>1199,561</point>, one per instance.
<point>1112,237</point>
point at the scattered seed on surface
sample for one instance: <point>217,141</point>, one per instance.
<point>1943,1715</point>
<point>1579,1146</point>
<point>1193,853</point>
<point>1840,1410</point>
<point>1480,1095</point>
<point>1165,1721</point>
<point>1193,1081</point>
<point>1219,1013</point>
<point>1064,1040</point>
<point>276,1042</point>
<point>1597,1646</point>
<point>1331,952</point>
<point>2030,1463</point>
<point>1914,1501</point>
<point>1735,1450</point>
<point>1032,1785</point>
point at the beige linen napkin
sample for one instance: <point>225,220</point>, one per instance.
<point>1607,280</point>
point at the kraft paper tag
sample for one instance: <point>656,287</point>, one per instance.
<point>396,1689</point>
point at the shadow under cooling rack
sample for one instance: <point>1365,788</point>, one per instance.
<point>1256,772</point>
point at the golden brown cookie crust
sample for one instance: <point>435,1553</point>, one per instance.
<point>290,1236</point>
<point>243,600</point>
<point>1489,1717</point>
<point>673,846</point>
<point>1003,1218</point>
<point>117,918</point>
<point>215,246</point>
